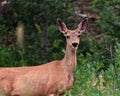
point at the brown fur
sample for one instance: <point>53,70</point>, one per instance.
<point>35,81</point>
<point>51,79</point>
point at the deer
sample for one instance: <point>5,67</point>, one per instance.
<point>50,79</point>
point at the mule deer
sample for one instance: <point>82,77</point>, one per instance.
<point>50,79</point>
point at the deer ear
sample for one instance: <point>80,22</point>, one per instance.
<point>61,26</point>
<point>83,25</point>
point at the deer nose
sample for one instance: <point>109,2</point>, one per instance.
<point>74,44</point>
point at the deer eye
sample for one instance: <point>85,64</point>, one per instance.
<point>67,37</point>
<point>78,35</point>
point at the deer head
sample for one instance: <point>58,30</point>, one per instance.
<point>72,36</point>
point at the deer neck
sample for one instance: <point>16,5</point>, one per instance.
<point>69,60</point>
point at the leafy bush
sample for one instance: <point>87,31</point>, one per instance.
<point>88,81</point>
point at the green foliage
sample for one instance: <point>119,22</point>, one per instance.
<point>90,82</point>
<point>109,16</point>
<point>11,57</point>
<point>98,70</point>
<point>117,63</point>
